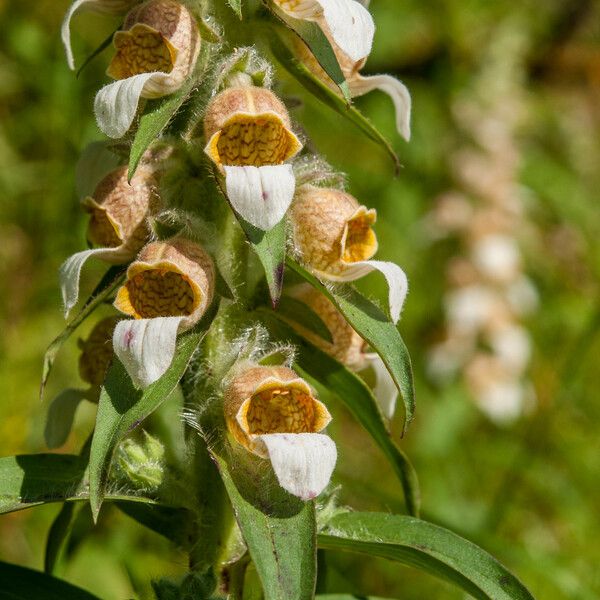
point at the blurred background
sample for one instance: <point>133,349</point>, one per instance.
<point>495,219</point>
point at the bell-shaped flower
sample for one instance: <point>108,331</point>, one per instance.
<point>347,22</point>
<point>108,7</point>
<point>352,48</point>
<point>118,210</point>
<point>274,414</point>
<point>156,52</point>
<point>249,138</point>
<point>334,238</point>
<point>346,345</point>
<point>168,289</point>
<point>94,360</point>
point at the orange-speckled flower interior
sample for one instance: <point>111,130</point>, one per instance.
<point>253,140</point>
<point>160,291</point>
<point>142,49</point>
<point>360,241</point>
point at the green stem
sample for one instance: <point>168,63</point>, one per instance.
<point>214,516</point>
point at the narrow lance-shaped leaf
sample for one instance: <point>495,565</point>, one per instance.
<point>312,35</point>
<point>426,547</point>
<point>29,480</point>
<point>326,95</point>
<point>299,312</point>
<point>155,119</point>
<point>57,535</point>
<point>270,249</point>
<point>122,407</point>
<point>19,583</point>
<point>282,542</point>
<point>104,289</point>
<point>352,391</point>
<point>375,327</point>
<point>103,46</point>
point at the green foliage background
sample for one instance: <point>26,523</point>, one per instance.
<point>528,493</point>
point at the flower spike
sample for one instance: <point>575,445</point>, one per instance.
<point>273,413</point>
<point>334,238</point>
<point>249,138</point>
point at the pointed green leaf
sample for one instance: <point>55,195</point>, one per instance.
<point>29,480</point>
<point>174,523</point>
<point>236,6</point>
<point>32,479</point>
<point>371,323</point>
<point>426,547</point>
<point>280,532</point>
<point>156,117</point>
<point>270,249</point>
<point>326,95</point>
<point>19,583</point>
<point>101,48</point>
<point>122,407</point>
<point>57,535</point>
<point>299,312</point>
<point>312,35</point>
<point>109,283</point>
<point>352,391</point>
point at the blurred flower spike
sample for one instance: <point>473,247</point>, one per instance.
<point>156,52</point>
<point>249,137</point>
<point>109,7</point>
<point>168,289</point>
<point>274,414</point>
<point>350,30</point>
<point>346,346</point>
<point>94,360</point>
<point>334,238</point>
<point>118,212</point>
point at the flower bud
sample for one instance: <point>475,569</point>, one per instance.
<point>332,231</point>
<point>175,278</point>
<point>97,352</point>
<point>268,400</point>
<point>142,464</point>
<point>118,212</point>
<point>347,346</point>
<point>248,126</point>
<point>158,36</point>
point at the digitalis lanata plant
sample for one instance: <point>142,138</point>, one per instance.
<point>231,252</point>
